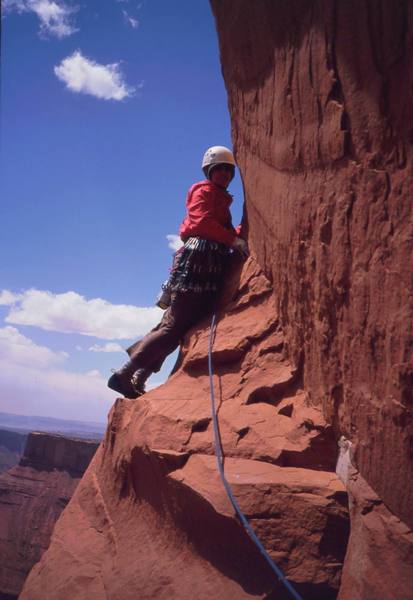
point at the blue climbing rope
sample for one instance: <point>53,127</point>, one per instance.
<point>220,461</point>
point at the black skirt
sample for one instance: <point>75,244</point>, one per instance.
<point>199,266</point>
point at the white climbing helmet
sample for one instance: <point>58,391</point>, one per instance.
<point>217,155</point>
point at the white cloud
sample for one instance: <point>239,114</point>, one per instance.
<point>93,373</point>
<point>130,20</point>
<point>80,74</point>
<point>55,392</point>
<point>18,349</point>
<point>72,313</point>
<point>7,298</point>
<point>32,380</point>
<point>55,17</point>
<point>109,347</point>
<point>175,241</point>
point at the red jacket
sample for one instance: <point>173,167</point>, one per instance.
<point>208,215</point>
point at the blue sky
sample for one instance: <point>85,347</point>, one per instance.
<point>106,111</point>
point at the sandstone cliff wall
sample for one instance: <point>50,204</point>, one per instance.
<point>12,444</point>
<point>313,342</point>
<point>320,95</point>
<point>151,519</point>
<point>32,496</point>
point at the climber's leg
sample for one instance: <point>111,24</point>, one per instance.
<point>148,354</point>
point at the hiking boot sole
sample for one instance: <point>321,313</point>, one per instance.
<point>116,384</point>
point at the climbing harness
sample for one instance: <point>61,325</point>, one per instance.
<point>220,462</point>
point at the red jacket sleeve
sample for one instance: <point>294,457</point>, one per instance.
<point>202,220</point>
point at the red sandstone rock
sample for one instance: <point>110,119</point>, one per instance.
<point>153,507</point>
<point>12,444</point>
<point>321,103</point>
<point>322,120</point>
<point>379,560</point>
<point>32,497</point>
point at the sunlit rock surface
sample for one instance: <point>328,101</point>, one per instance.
<point>321,103</point>
<point>314,342</point>
<point>151,519</point>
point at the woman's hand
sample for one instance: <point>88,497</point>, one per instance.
<point>241,246</point>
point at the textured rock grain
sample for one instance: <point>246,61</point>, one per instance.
<point>322,119</point>
<point>314,342</point>
<point>153,508</point>
<point>320,95</point>
<point>32,497</point>
<point>379,560</point>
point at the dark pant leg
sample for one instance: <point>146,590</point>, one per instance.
<point>186,309</point>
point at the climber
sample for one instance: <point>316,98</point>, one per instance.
<point>209,238</point>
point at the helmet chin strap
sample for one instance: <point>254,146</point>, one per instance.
<point>209,170</point>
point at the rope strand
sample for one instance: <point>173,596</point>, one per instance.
<point>219,456</point>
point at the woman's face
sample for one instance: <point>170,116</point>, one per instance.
<point>222,175</point>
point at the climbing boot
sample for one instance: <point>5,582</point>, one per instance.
<point>128,381</point>
<point>121,383</point>
<point>138,381</point>
<point>121,380</point>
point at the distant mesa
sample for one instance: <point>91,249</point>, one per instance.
<point>80,429</point>
<point>12,445</point>
<point>32,497</point>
